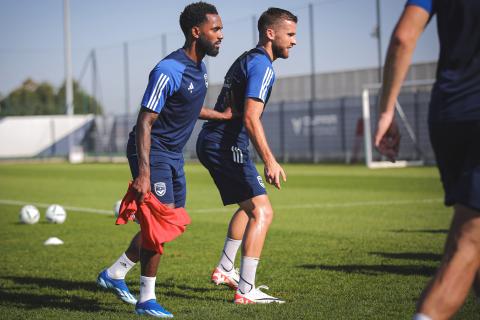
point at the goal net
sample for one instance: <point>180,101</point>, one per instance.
<point>411,117</point>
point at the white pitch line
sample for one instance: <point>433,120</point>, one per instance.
<point>332,205</point>
<point>229,209</point>
<point>46,205</point>
<point>360,203</point>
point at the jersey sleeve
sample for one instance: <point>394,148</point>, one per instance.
<point>260,79</point>
<point>163,82</point>
<point>424,4</point>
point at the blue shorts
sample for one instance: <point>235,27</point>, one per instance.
<point>167,178</point>
<point>457,151</point>
<point>232,170</point>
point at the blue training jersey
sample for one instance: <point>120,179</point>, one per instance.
<point>456,93</point>
<point>250,76</point>
<point>176,90</point>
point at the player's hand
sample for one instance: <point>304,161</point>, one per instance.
<point>273,171</point>
<point>229,103</point>
<point>387,137</point>
<point>141,185</point>
<point>227,114</point>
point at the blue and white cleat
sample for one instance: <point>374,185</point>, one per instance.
<point>118,286</point>
<point>152,308</point>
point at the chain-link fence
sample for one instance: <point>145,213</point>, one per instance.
<point>328,130</point>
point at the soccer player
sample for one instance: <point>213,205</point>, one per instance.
<point>454,126</point>
<point>223,149</point>
<point>169,109</point>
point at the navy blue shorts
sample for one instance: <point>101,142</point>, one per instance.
<point>232,170</point>
<point>167,178</point>
<point>457,151</point>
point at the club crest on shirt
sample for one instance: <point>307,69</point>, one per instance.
<point>190,87</point>
<point>260,182</point>
<point>206,79</point>
<point>160,188</point>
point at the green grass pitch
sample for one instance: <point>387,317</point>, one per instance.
<point>346,243</point>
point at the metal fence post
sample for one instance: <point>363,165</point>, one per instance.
<point>281,121</point>
<point>343,129</point>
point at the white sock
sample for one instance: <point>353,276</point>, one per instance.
<point>147,288</point>
<point>421,316</point>
<point>227,259</point>
<point>119,269</point>
<point>248,269</point>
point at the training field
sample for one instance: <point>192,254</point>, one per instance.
<point>346,243</point>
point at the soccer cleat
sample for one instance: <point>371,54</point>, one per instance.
<point>118,286</point>
<point>219,276</point>
<point>152,308</point>
<point>255,296</point>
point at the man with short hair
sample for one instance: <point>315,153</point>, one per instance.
<point>223,149</point>
<point>170,107</point>
<point>454,126</point>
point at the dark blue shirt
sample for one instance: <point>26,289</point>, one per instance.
<point>250,76</point>
<point>176,91</point>
<point>456,93</point>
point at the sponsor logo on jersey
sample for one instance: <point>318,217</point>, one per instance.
<point>206,79</point>
<point>227,83</point>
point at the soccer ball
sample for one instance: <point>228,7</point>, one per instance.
<point>116,208</point>
<point>56,214</point>
<point>29,214</point>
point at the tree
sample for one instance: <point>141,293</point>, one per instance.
<point>32,98</point>
<point>83,103</point>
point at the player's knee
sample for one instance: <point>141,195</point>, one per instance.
<point>263,215</point>
<point>468,247</point>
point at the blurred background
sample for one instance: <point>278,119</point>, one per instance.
<point>322,107</point>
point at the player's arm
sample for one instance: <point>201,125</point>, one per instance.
<point>143,130</point>
<point>399,55</point>
<point>254,127</point>
<point>211,114</point>
<point>163,81</point>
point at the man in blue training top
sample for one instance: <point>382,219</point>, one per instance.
<point>170,107</point>
<point>223,150</point>
<point>454,125</point>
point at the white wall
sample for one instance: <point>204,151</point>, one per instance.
<point>27,136</point>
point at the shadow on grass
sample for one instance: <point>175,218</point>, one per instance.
<point>422,256</point>
<point>15,295</point>
<point>184,287</point>
<point>38,301</point>
<point>187,296</point>
<point>25,293</point>
<point>54,283</point>
<point>375,270</point>
<point>433,231</point>
<point>170,288</point>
